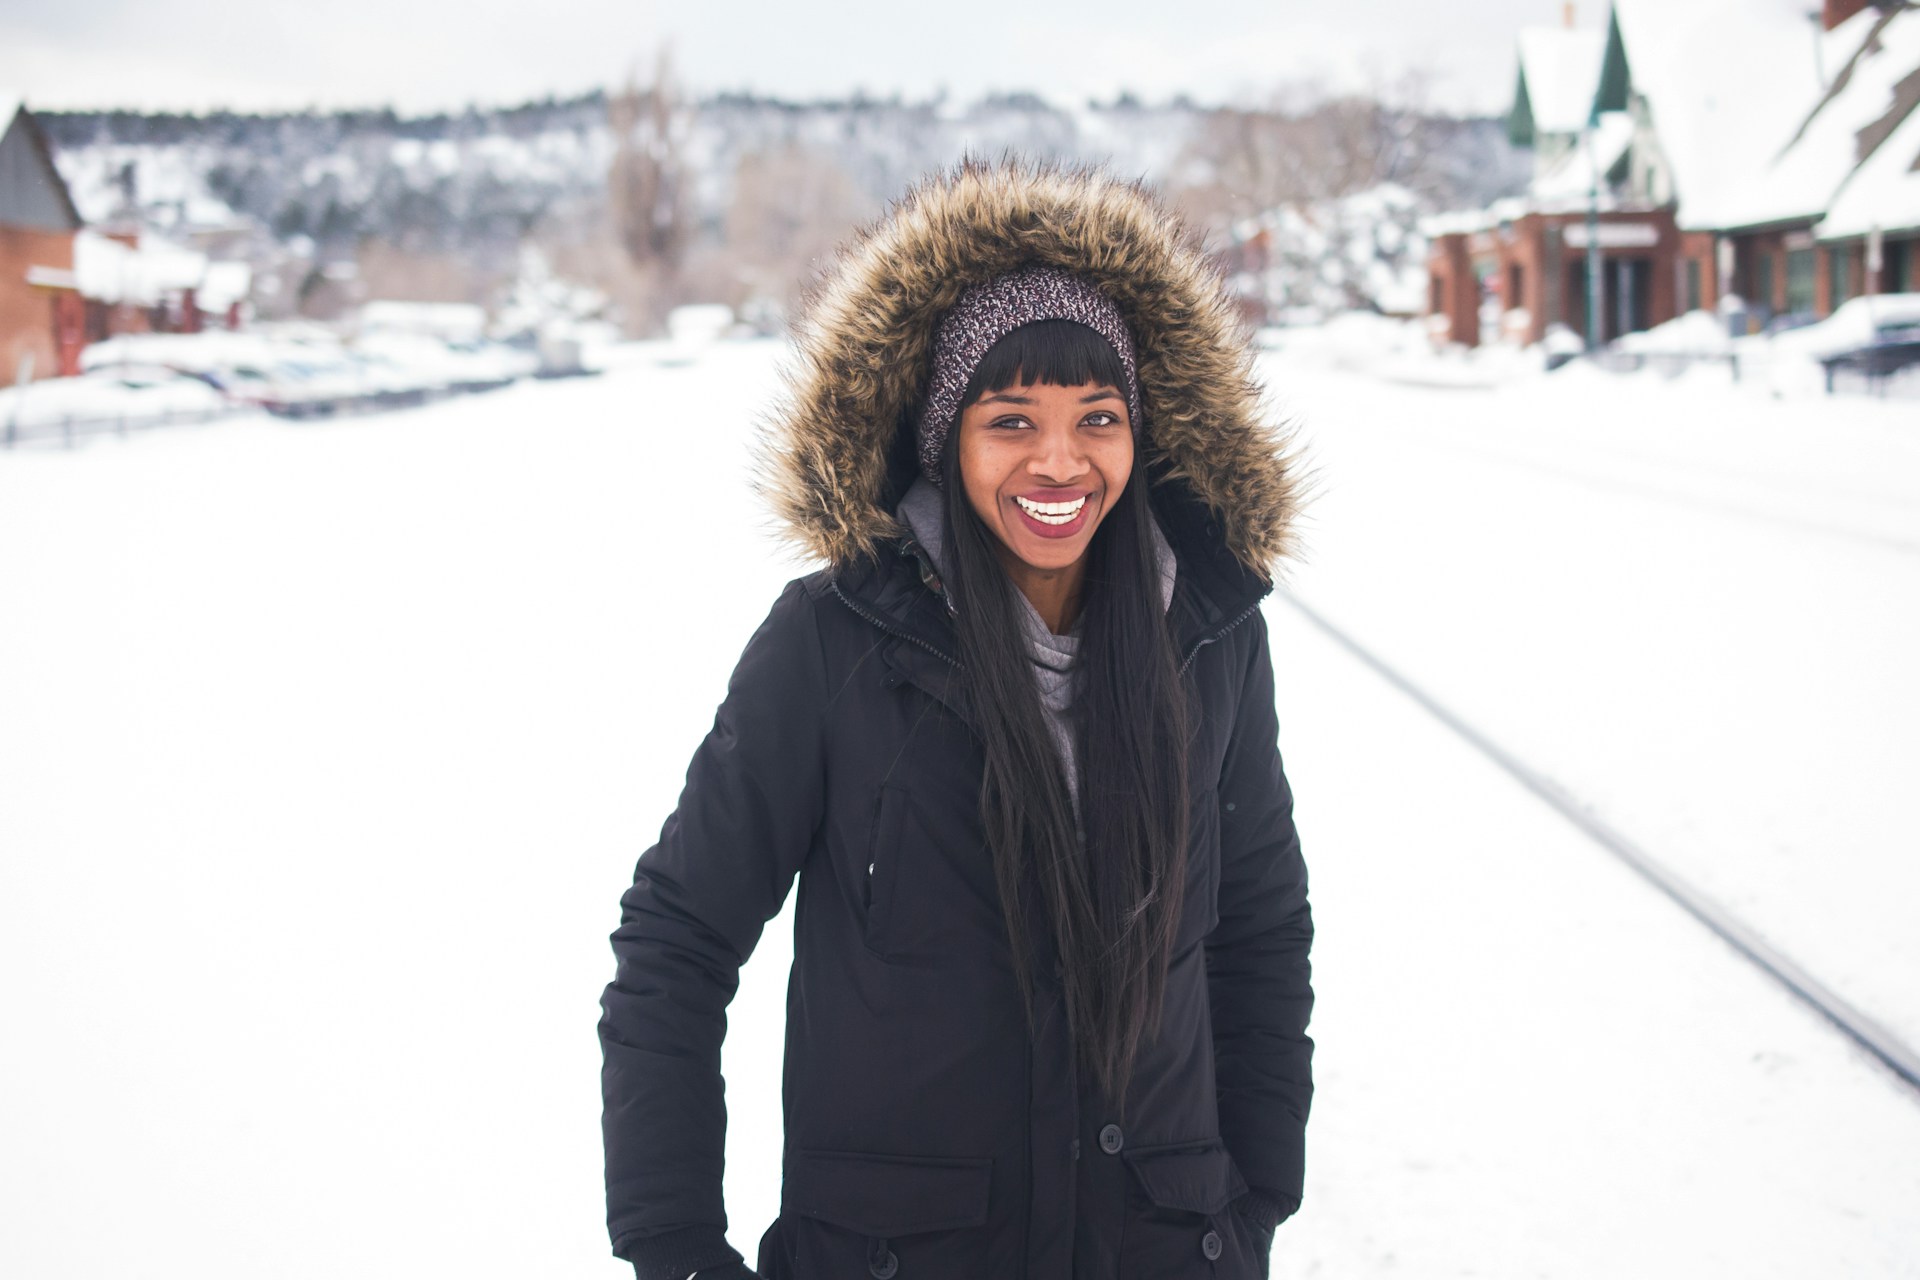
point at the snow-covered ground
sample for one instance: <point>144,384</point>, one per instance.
<point>326,751</point>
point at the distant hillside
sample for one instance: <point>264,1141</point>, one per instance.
<point>656,200</point>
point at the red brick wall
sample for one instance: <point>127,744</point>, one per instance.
<point>26,311</point>
<point>1698,248</point>
<point>1455,289</point>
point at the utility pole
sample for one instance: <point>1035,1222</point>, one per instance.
<point>1596,276</point>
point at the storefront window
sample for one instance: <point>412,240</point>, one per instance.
<point>1800,278</point>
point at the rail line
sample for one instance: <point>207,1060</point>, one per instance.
<point>1864,1031</point>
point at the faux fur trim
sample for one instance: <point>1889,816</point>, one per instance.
<point>864,344</point>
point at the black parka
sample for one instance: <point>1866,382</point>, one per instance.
<point>928,1132</point>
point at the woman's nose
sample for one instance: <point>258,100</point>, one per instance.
<point>1057,456</point>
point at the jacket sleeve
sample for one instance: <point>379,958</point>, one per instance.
<point>701,896</point>
<point>1258,974</point>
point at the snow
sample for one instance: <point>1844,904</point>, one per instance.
<point>110,271</point>
<point>1802,181</point>
<point>303,368</point>
<point>224,284</point>
<point>130,395</point>
<point>1726,83</point>
<point>1696,333</point>
<point>331,747</point>
<point>1884,192</point>
<point>10,105</point>
<point>1854,323</point>
<point>1570,183</point>
<point>1561,66</point>
<point>455,321</point>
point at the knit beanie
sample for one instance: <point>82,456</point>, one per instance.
<point>988,312</point>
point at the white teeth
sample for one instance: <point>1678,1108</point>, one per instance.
<point>1053,512</point>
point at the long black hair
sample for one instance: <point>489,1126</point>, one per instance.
<point>1114,903</point>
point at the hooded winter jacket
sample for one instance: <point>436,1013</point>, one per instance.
<point>930,1134</point>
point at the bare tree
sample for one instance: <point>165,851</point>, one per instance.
<point>1308,196</point>
<point>649,184</point>
<point>791,204</point>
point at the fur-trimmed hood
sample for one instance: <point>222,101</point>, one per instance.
<point>836,453</point>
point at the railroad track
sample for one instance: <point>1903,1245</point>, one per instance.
<point>1864,1031</point>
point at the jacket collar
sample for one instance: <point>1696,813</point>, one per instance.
<point>898,591</point>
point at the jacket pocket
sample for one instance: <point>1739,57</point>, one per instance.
<point>884,855</point>
<point>849,1214</point>
<point>1180,1219</point>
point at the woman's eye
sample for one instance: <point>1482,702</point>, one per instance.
<point>1103,420</point>
<point>1012,423</point>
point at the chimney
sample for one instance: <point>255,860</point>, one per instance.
<point>1566,14</point>
<point>1835,12</point>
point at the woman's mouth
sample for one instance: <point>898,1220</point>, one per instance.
<point>1053,519</point>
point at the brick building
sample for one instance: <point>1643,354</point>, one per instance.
<point>1826,220</point>
<point>41,316</point>
<point>1775,162</point>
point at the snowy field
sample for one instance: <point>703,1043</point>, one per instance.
<point>326,751</point>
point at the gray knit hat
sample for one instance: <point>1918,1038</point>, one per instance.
<point>988,312</point>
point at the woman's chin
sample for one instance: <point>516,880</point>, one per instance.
<point>1047,555</point>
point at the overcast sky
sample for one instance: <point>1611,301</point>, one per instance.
<point>422,55</point>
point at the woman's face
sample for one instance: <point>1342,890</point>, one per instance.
<point>1042,465</point>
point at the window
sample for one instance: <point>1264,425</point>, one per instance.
<point>1896,266</point>
<point>1693,285</point>
<point>1800,275</point>
<point>1839,267</point>
<point>1763,282</point>
<point>1516,285</point>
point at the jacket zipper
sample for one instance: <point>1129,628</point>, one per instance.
<point>891,630</point>
<point>1194,652</point>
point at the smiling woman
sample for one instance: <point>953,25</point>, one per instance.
<point>1017,743</point>
<point>1045,447</point>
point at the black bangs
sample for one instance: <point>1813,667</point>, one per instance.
<point>1056,353</point>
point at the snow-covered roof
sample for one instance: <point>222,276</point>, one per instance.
<point>1571,180</point>
<point>1726,82</point>
<point>1884,192</point>
<point>1469,221</point>
<point>1456,223</point>
<point>110,271</point>
<point>224,284</point>
<point>1802,180</point>
<point>1561,68</point>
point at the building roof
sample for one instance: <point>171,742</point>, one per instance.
<point>110,271</point>
<point>32,192</point>
<point>1559,71</point>
<point>1570,182</point>
<point>1726,83</point>
<point>1867,57</point>
<point>1884,192</point>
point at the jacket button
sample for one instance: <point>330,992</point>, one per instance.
<point>1110,1139</point>
<point>1210,1245</point>
<point>882,1266</point>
